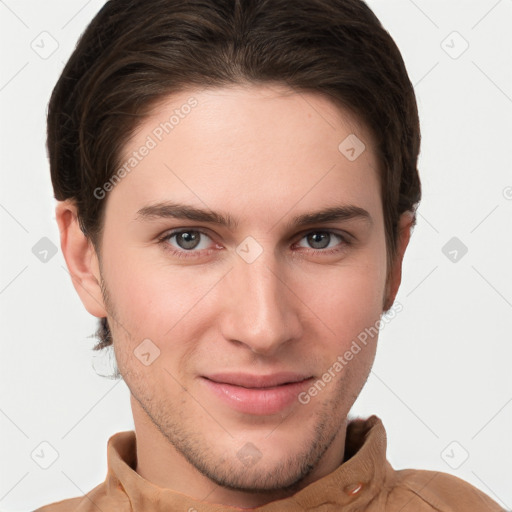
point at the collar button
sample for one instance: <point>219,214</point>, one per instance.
<point>353,489</point>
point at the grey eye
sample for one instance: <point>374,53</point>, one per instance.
<point>187,239</point>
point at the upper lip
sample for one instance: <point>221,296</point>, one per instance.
<point>247,380</point>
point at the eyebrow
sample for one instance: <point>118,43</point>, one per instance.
<point>169,209</point>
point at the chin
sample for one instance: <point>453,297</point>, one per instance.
<point>267,478</point>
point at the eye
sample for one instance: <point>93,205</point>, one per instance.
<point>193,243</point>
<point>186,240</point>
<point>321,240</point>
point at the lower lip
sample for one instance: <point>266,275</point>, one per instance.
<point>258,400</point>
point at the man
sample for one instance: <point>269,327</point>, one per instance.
<point>237,186</point>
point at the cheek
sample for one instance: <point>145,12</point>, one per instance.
<point>352,306</point>
<point>159,305</point>
<point>151,298</point>
<point>347,298</point>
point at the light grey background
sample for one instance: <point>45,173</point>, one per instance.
<point>441,381</point>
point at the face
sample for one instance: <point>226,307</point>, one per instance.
<point>242,255</point>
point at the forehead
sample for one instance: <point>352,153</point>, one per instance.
<point>240,109</point>
<point>264,147</point>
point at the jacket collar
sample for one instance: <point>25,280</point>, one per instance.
<point>356,482</point>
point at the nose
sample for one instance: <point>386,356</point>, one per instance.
<point>262,311</point>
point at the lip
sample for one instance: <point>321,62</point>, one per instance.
<point>257,394</point>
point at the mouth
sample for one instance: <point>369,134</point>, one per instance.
<point>257,394</point>
<point>247,380</point>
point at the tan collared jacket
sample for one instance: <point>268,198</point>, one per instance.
<point>364,482</point>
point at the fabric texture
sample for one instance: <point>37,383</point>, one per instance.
<point>365,481</point>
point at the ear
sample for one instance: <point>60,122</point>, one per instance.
<point>405,225</point>
<point>81,258</point>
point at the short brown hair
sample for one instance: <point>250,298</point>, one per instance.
<point>136,52</point>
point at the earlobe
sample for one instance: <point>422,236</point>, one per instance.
<point>81,258</point>
<point>405,226</point>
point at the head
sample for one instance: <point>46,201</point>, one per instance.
<point>262,114</point>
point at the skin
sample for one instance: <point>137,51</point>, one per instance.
<point>262,154</point>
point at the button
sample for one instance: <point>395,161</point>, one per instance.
<point>353,489</point>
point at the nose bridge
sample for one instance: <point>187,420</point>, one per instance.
<point>261,313</point>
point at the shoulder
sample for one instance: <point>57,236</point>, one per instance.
<point>61,506</point>
<point>417,489</point>
<point>101,498</point>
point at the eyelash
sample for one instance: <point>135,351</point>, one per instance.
<point>163,240</point>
